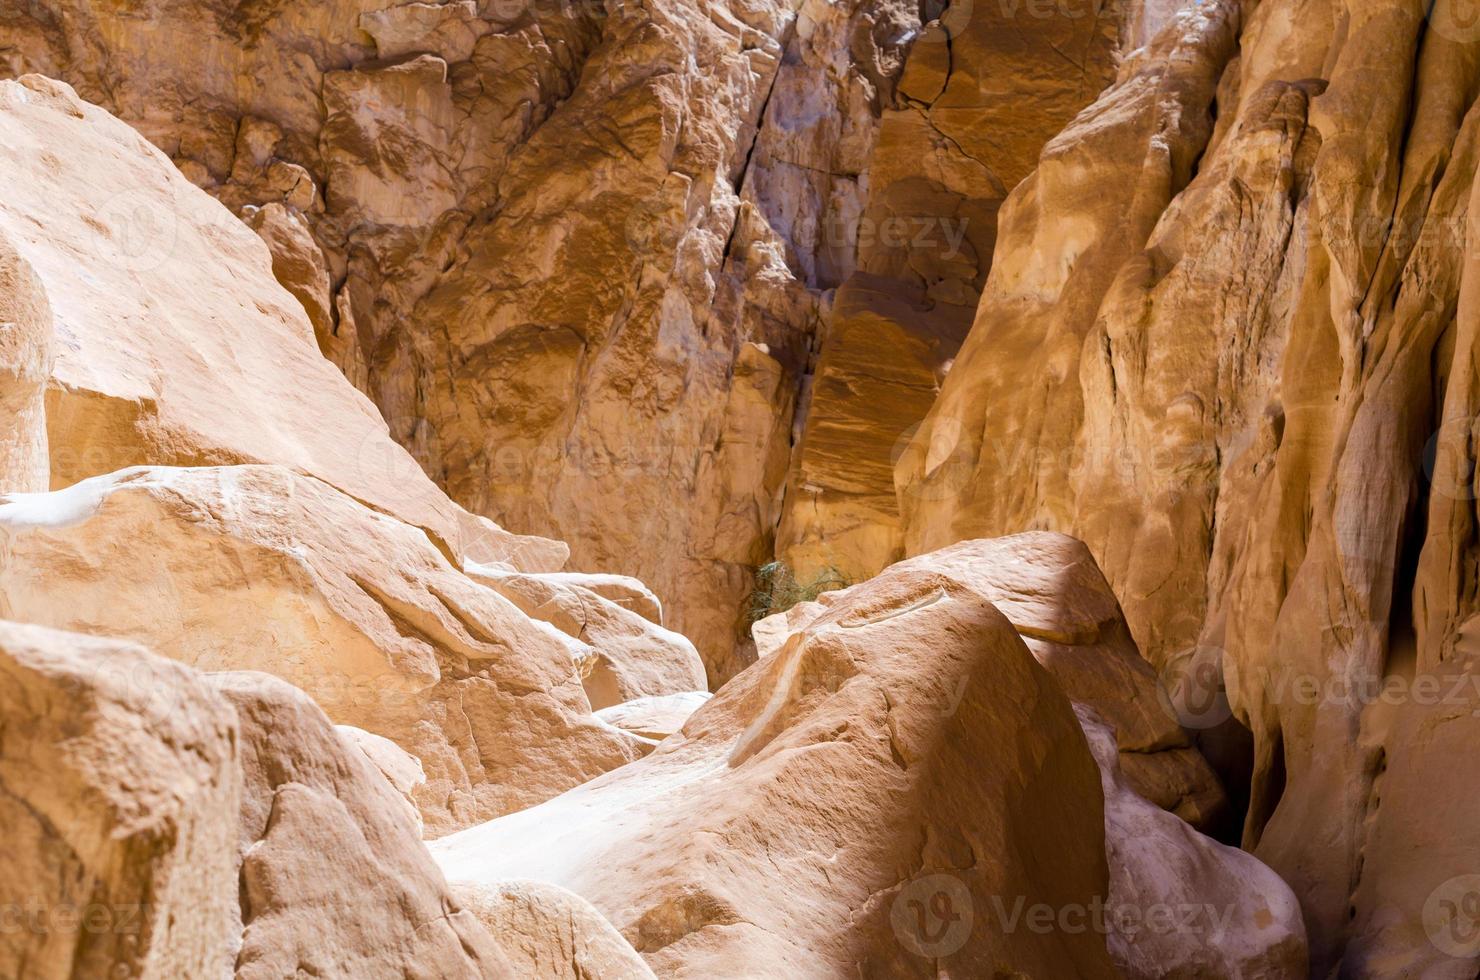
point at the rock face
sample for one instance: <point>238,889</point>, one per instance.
<point>173,345</point>
<point>261,567</point>
<point>164,823</point>
<point>1228,341</point>
<point>25,365</point>
<point>1048,587</point>
<point>119,789</point>
<point>804,816</point>
<point>584,260</point>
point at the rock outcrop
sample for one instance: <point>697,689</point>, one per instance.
<point>1048,587</point>
<point>812,819</point>
<point>1227,340</point>
<point>163,823</point>
<point>264,568</point>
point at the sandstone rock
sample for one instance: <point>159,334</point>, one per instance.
<point>119,788</point>
<point>982,90</point>
<point>810,817</point>
<point>654,718</point>
<point>551,933</point>
<point>400,768</point>
<point>335,880</point>
<point>260,567</point>
<point>1227,341</point>
<point>631,657</point>
<point>1049,588</point>
<point>1181,905</point>
<point>173,343</point>
<point>25,364</point>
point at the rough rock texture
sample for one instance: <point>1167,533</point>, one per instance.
<point>1231,916</point>
<point>119,789</point>
<point>1048,587</point>
<point>1229,340</point>
<point>982,90</point>
<point>25,366</point>
<point>632,657</point>
<point>578,250</point>
<point>550,933</point>
<point>655,718</point>
<point>260,567</point>
<point>172,342</point>
<point>811,819</point>
<point>335,880</point>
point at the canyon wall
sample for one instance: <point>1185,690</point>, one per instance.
<point>1228,342</point>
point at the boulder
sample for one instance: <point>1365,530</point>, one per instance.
<point>851,805</point>
<point>265,568</point>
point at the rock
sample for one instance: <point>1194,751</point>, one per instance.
<point>1180,904</point>
<point>654,718</point>
<point>335,880</point>
<point>400,768</point>
<point>174,343</point>
<point>119,788</point>
<point>25,364</point>
<point>983,89</point>
<point>550,933</point>
<point>1050,589</point>
<point>263,568</point>
<point>813,816</point>
<point>631,657</point>
<point>1228,341</point>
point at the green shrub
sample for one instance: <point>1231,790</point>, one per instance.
<point>777,588</point>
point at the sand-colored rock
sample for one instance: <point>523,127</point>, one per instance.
<point>654,718</point>
<point>811,818</point>
<point>983,88</point>
<point>172,342</point>
<point>25,366</point>
<point>259,567</point>
<point>1049,588</point>
<point>631,656</point>
<point>550,933</point>
<point>335,881</point>
<point>119,788</point>
<point>1227,341</point>
<point>1182,905</point>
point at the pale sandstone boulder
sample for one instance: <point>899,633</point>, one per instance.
<point>1182,906</point>
<point>173,343</point>
<point>631,657</point>
<point>654,718</point>
<point>335,881</point>
<point>549,933</point>
<point>119,789</point>
<point>1050,589</point>
<point>400,768</point>
<point>260,567</point>
<point>849,806</point>
<point>25,365</point>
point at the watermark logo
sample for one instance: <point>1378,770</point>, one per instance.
<point>1193,688</point>
<point>1457,20</point>
<point>1451,916</point>
<point>142,233</point>
<point>932,916</point>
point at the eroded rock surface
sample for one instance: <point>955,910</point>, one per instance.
<point>786,829</point>
<point>261,567</point>
<point>1227,340</point>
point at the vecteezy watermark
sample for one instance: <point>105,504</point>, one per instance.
<point>932,916</point>
<point>1193,688</point>
<point>1202,920</point>
<point>40,917</point>
<point>1451,916</point>
<point>1456,20</point>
